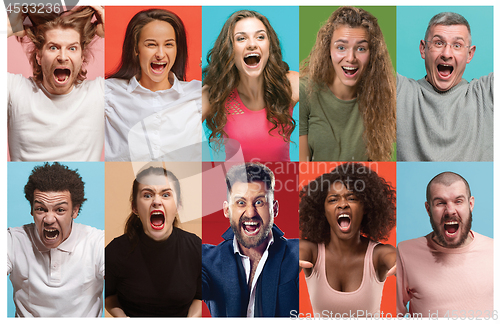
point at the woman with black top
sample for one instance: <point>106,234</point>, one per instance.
<point>154,269</point>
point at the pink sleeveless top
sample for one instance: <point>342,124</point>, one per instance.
<point>327,302</point>
<point>250,130</point>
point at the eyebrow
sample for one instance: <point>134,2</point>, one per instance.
<point>154,40</point>
<point>256,32</point>
<point>454,38</point>
<point>41,203</point>
<point>345,41</point>
<point>457,197</point>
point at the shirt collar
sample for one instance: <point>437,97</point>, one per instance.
<point>135,85</point>
<point>236,246</point>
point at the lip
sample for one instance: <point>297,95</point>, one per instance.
<point>451,225</point>
<point>350,68</point>
<point>341,219</point>
<point>50,234</point>
<point>60,70</point>
<point>446,71</point>
<point>157,219</point>
<point>253,56</point>
<point>159,64</point>
<point>251,227</point>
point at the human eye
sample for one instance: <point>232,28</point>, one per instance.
<point>240,203</point>
<point>147,195</point>
<point>362,49</point>
<point>332,199</point>
<point>240,38</point>
<point>261,37</point>
<point>39,209</point>
<point>150,44</point>
<point>458,46</point>
<point>438,43</point>
<point>259,203</point>
<point>53,48</point>
<point>166,195</point>
<point>61,210</point>
<point>340,48</point>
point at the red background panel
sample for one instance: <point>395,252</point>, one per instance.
<point>214,223</point>
<point>387,170</point>
<point>118,17</point>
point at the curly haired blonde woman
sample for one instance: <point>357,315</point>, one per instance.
<point>348,92</point>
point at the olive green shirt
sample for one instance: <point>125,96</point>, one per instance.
<point>334,127</point>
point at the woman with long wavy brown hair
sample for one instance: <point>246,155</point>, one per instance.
<point>348,92</point>
<point>248,91</point>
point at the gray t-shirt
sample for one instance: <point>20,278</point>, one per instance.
<point>455,125</point>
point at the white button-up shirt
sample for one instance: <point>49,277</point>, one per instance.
<point>64,281</point>
<point>145,125</point>
<point>246,265</point>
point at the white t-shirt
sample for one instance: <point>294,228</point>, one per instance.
<point>142,125</point>
<point>47,127</point>
<point>64,281</point>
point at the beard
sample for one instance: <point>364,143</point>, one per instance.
<point>440,238</point>
<point>251,241</point>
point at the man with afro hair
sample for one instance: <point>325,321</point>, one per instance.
<point>56,266</point>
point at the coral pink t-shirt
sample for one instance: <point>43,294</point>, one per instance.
<point>445,282</point>
<point>250,130</point>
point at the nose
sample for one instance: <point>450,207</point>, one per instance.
<point>157,201</point>
<point>63,56</point>
<point>250,211</point>
<point>450,209</point>
<point>50,218</point>
<point>160,52</point>
<point>251,44</point>
<point>343,203</point>
<point>350,55</point>
<point>446,51</point>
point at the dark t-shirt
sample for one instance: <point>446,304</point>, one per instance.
<point>158,279</point>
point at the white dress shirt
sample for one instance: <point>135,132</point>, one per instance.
<point>246,265</point>
<point>64,281</point>
<point>142,125</point>
<point>47,127</point>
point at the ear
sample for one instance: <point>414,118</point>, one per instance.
<point>275,208</point>
<point>470,55</point>
<point>225,209</point>
<point>428,208</point>
<point>422,49</point>
<point>134,209</point>
<point>471,202</point>
<point>38,57</point>
<point>76,209</point>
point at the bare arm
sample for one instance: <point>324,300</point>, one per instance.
<point>386,261</point>
<point>113,306</point>
<point>293,77</point>
<point>308,253</point>
<point>195,309</point>
<point>99,14</point>
<point>304,154</point>
<point>17,24</point>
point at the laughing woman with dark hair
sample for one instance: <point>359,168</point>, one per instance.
<point>248,91</point>
<point>152,113</point>
<point>343,214</point>
<point>154,269</point>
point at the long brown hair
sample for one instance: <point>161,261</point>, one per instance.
<point>129,65</point>
<point>222,77</point>
<point>376,91</point>
<point>79,20</point>
<point>133,225</point>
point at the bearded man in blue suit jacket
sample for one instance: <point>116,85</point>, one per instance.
<point>254,272</point>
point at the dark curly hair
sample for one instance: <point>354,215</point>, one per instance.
<point>56,177</point>
<point>376,194</point>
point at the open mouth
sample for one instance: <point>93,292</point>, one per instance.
<point>252,59</point>
<point>451,228</point>
<point>445,70</point>
<point>50,233</point>
<point>350,70</point>
<point>61,75</point>
<point>157,220</point>
<point>158,67</point>
<point>251,227</point>
<point>344,222</point>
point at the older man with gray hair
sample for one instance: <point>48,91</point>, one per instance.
<point>442,117</point>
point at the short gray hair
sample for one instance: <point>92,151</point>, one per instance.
<point>447,19</point>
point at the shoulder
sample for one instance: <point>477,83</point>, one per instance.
<point>483,240</point>
<point>119,243</point>
<point>115,84</point>
<point>20,233</point>
<point>407,245</point>
<point>193,85</point>
<point>188,237</point>
<point>293,77</point>
<point>89,234</point>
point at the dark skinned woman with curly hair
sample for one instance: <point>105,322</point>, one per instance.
<point>343,214</point>
<point>248,91</point>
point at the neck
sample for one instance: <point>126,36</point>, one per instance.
<point>251,91</point>
<point>345,246</point>
<point>342,91</point>
<point>155,86</point>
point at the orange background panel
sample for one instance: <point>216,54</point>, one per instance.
<point>387,170</point>
<point>118,17</point>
